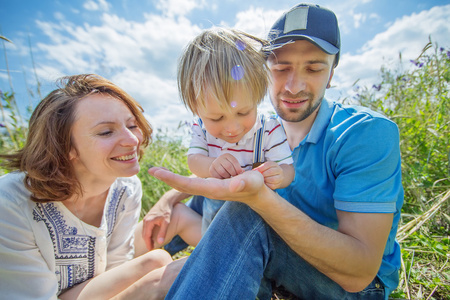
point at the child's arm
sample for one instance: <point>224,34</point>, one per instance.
<point>199,164</point>
<point>224,166</point>
<point>276,176</point>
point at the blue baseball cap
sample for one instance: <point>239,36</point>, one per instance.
<point>306,22</point>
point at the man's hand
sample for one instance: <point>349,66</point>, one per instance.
<point>242,188</point>
<point>225,166</point>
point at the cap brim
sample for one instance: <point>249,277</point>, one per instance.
<point>289,39</point>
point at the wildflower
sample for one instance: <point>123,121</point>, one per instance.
<point>448,54</point>
<point>2,125</point>
<point>417,63</point>
<point>376,87</point>
<point>441,49</point>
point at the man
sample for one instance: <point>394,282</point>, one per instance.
<point>331,233</point>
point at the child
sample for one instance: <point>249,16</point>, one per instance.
<point>222,77</point>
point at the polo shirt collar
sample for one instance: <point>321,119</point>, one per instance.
<point>321,122</point>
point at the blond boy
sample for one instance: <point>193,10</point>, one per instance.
<point>222,77</point>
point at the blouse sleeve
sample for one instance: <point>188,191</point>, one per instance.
<point>24,273</point>
<point>121,243</point>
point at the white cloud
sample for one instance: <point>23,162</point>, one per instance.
<point>407,36</point>
<point>153,92</point>
<point>358,19</point>
<point>374,16</point>
<point>256,21</point>
<point>93,5</point>
<point>179,7</point>
<point>139,57</point>
<point>59,16</point>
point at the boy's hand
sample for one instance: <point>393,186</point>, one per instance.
<point>273,174</point>
<point>225,166</point>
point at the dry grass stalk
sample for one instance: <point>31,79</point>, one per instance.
<point>412,226</point>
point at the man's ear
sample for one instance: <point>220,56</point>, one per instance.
<point>329,79</point>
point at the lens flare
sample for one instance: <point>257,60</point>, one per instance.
<point>233,104</point>
<point>240,45</point>
<point>237,72</point>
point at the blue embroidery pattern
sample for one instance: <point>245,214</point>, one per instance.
<point>112,209</point>
<point>74,250</point>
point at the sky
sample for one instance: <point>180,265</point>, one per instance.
<point>136,43</point>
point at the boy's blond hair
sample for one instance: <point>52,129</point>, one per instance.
<point>217,62</point>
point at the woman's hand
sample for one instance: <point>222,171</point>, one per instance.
<point>157,220</point>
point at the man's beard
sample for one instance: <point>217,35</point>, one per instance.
<point>296,114</point>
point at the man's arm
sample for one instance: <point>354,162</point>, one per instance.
<point>350,256</point>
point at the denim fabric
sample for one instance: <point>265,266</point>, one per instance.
<point>210,209</point>
<point>240,256</point>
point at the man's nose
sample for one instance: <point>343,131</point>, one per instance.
<point>295,83</point>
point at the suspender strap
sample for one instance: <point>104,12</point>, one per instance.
<point>258,143</point>
<point>200,124</point>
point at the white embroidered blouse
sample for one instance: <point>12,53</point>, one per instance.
<point>45,249</point>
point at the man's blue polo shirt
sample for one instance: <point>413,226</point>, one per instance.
<point>350,161</point>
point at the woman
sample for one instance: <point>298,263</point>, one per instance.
<point>70,208</point>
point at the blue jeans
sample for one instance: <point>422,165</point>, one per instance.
<point>210,209</point>
<point>240,257</point>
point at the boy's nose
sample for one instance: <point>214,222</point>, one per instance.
<point>232,128</point>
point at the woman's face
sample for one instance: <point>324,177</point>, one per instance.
<point>105,139</point>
